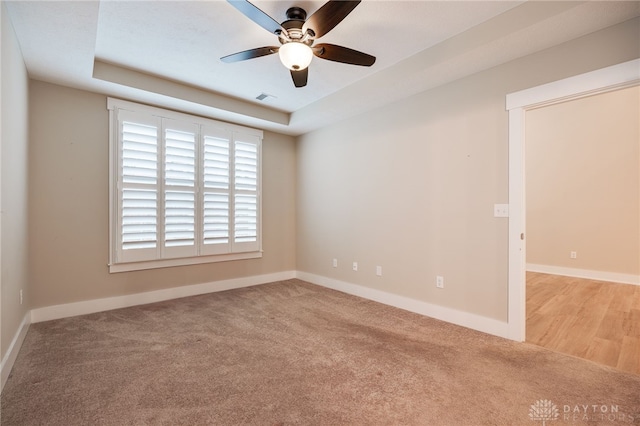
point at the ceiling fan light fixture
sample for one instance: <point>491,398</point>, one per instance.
<point>295,55</point>
<point>297,36</point>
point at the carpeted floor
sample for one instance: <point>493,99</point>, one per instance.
<point>294,353</point>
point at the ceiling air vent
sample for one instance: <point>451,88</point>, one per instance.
<point>263,96</point>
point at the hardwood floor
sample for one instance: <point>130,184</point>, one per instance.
<point>595,320</point>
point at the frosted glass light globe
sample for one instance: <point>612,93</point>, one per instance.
<point>295,55</point>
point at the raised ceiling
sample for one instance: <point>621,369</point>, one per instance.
<point>167,52</point>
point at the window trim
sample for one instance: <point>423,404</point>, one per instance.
<point>113,106</point>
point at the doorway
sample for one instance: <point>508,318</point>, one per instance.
<point>582,160</point>
<point>600,81</point>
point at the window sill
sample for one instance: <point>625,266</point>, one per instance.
<point>185,261</point>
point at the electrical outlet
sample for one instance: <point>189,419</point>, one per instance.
<point>439,281</point>
<point>355,266</point>
<point>379,271</point>
<point>574,255</point>
<point>335,263</point>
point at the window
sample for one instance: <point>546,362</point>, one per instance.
<point>184,189</point>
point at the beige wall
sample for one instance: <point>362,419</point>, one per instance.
<point>69,196</point>
<point>411,186</point>
<point>583,183</point>
<point>13,189</point>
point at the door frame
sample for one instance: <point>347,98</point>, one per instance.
<point>603,80</point>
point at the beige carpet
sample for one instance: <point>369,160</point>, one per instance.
<point>294,353</point>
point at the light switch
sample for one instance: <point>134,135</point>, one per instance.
<point>501,210</point>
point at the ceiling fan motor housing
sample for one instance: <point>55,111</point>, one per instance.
<point>293,27</point>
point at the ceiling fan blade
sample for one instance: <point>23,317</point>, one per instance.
<point>300,77</point>
<point>345,55</point>
<point>328,16</point>
<point>257,16</point>
<point>250,54</point>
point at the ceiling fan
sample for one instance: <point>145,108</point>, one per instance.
<point>297,35</point>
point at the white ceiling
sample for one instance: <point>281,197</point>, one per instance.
<point>167,52</point>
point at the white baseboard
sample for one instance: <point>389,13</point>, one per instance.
<point>464,319</point>
<point>12,353</point>
<point>585,273</point>
<point>99,305</point>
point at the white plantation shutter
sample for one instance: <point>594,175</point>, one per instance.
<point>246,192</point>
<point>137,183</point>
<point>184,188</point>
<point>179,189</point>
<point>216,191</point>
